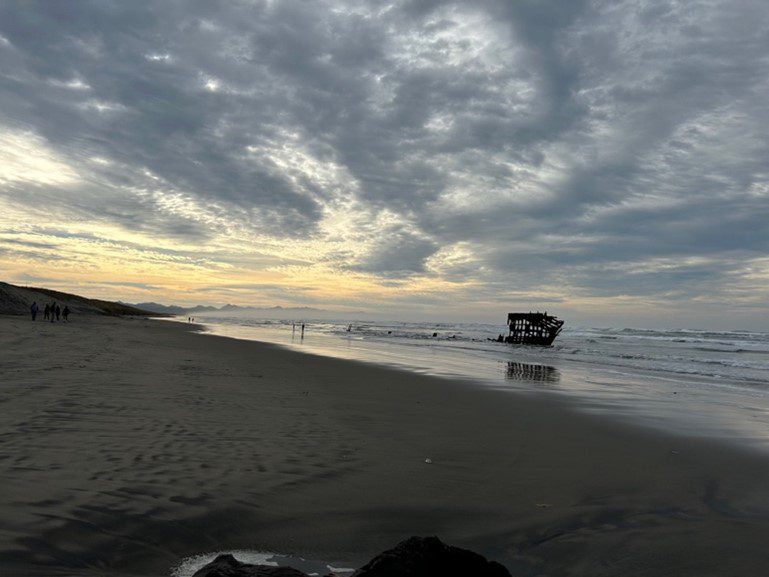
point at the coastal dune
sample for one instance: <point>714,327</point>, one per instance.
<point>128,444</point>
<point>17,300</point>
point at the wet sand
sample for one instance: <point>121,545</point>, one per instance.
<point>129,444</point>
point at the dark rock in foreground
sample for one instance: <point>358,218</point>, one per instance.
<point>429,557</point>
<point>414,557</point>
<point>228,566</point>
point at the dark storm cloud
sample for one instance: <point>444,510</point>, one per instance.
<point>577,135</point>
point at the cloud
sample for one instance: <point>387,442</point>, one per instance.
<point>579,143</point>
<point>398,253</point>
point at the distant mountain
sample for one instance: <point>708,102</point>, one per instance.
<point>276,308</point>
<point>201,309</point>
<point>228,308</point>
<point>280,308</point>
<point>158,308</point>
<point>179,310</point>
<point>17,300</point>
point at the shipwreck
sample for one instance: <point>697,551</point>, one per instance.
<point>532,329</point>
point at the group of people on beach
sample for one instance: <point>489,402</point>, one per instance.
<point>52,312</point>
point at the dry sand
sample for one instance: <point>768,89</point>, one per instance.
<point>128,444</point>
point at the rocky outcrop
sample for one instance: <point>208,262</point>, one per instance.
<point>414,557</point>
<point>228,566</point>
<point>430,557</point>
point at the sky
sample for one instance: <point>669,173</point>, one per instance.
<point>605,161</point>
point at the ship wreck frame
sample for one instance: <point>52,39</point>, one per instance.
<point>532,328</point>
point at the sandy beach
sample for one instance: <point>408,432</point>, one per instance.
<point>127,445</point>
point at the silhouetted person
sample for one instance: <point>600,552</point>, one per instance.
<point>58,312</point>
<point>46,312</point>
<point>65,313</point>
<point>53,311</point>
<point>33,310</point>
<point>302,330</point>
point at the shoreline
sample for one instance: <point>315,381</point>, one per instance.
<point>131,444</point>
<point>678,404</point>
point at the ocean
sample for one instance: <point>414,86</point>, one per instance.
<point>693,382</point>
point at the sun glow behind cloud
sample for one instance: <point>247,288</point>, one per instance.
<point>25,158</point>
<point>97,255</point>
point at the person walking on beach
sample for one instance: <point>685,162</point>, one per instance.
<point>46,312</point>
<point>65,313</point>
<point>302,331</point>
<point>58,312</point>
<point>33,310</point>
<point>53,311</point>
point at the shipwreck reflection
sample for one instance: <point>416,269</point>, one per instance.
<point>532,373</point>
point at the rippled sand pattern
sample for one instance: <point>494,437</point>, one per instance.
<point>128,445</point>
<point>94,428</point>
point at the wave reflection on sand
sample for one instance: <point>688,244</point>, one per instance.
<point>670,380</point>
